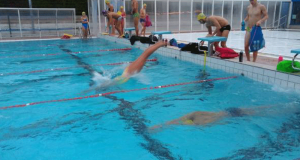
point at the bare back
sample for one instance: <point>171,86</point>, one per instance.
<point>215,21</point>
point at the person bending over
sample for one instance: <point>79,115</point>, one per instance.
<point>111,16</point>
<point>222,27</point>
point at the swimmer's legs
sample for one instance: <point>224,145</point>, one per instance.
<point>138,64</point>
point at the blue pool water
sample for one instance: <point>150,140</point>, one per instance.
<point>116,126</point>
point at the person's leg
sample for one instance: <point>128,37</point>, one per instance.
<point>83,32</point>
<point>122,28</point>
<point>138,64</point>
<point>145,30</point>
<point>136,25</point>
<point>113,27</point>
<point>216,44</point>
<point>118,27</point>
<point>225,34</point>
<point>255,56</point>
<point>247,38</point>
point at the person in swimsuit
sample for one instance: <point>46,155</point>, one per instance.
<point>257,14</point>
<point>136,16</point>
<point>143,19</point>
<point>222,27</point>
<point>110,8</point>
<point>201,118</point>
<point>123,14</point>
<point>133,68</point>
<point>112,16</point>
<point>136,66</point>
<point>85,25</point>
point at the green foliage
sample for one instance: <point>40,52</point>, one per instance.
<point>79,5</point>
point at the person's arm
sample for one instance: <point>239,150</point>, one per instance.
<point>265,14</point>
<point>209,31</point>
<point>81,19</point>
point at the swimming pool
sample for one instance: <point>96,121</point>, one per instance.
<point>116,125</point>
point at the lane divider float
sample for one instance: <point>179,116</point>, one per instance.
<point>67,68</point>
<point>55,54</point>
<point>115,92</point>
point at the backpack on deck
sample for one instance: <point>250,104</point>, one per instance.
<point>226,53</point>
<point>257,40</point>
<point>193,48</point>
<point>147,40</point>
<point>148,21</point>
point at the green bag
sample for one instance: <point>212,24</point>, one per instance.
<point>286,66</point>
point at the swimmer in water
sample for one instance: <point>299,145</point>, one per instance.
<point>134,68</point>
<point>202,118</point>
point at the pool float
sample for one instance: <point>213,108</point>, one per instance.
<point>286,66</point>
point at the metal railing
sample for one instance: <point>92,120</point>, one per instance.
<point>36,22</point>
<point>181,15</point>
<point>281,23</point>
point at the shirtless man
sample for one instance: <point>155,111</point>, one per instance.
<point>112,16</point>
<point>222,27</point>
<point>136,16</point>
<point>255,12</point>
<point>110,8</point>
<point>143,19</point>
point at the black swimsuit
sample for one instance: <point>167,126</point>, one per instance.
<point>228,27</point>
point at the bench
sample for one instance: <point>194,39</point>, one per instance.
<point>160,33</point>
<point>297,52</point>
<point>129,31</point>
<point>210,41</point>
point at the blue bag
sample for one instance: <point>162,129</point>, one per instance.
<point>257,40</point>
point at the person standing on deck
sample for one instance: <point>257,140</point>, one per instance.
<point>254,17</point>
<point>110,8</point>
<point>136,16</point>
<point>143,19</point>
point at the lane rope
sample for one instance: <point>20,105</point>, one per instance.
<point>67,68</point>
<point>115,92</point>
<point>55,54</point>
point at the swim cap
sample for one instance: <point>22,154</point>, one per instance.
<point>121,7</point>
<point>201,16</point>
<point>107,1</point>
<point>83,13</point>
<point>104,12</point>
<point>145,5</point>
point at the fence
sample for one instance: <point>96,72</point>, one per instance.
<point>181,15</point>
<point>36,22</point>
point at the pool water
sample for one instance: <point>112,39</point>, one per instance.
<point>117,126</point>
